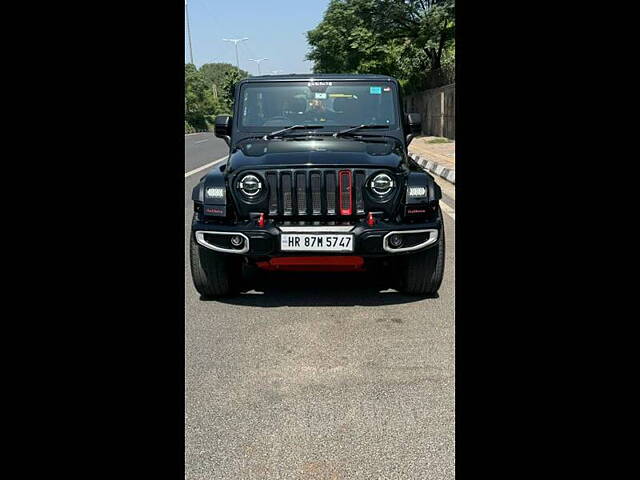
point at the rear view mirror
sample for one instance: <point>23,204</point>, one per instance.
<point>222,128</point>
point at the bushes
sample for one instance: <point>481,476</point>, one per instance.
<point>188,128</point>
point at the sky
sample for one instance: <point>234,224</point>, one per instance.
<point>275,28</point>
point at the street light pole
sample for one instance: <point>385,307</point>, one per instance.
<point>186,12</point>
<point>235,42</point>
<point>258,60</point>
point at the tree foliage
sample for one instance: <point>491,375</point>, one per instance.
<point>215,73</point>
<point>402,38</point>
<point>202,99</point>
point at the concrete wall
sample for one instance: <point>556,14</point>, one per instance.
<point>438,109</point>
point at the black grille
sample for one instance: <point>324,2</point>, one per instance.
<point>314,192</point>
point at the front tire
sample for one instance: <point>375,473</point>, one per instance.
<point>422,273</point>
<point>214,275</point>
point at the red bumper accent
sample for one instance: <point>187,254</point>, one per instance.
<point>314,264</point>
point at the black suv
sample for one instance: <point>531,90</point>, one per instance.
<point>318,178</point>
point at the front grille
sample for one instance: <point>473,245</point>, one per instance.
<point>315,192</point>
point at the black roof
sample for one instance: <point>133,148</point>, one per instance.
<point>320,76</point>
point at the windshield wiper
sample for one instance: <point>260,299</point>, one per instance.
<point>353,129</point>
<point>293,127</point>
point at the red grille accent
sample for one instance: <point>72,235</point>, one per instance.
<point>344,181</point>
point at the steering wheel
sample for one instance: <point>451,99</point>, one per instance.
<point>279,118</point>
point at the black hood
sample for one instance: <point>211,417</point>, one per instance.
<point>380,152</point>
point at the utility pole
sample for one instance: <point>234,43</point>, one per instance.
<point>235,42</point>
<point>186,12</point>
<point>258,60</point>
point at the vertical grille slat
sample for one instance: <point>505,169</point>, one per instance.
<point>359,186</point>
<point>331,193</point>
<point>316,201</point>
<point>287,194</point>
<point>345,181</point>
<point>301,189</point>
<point>272,181</point>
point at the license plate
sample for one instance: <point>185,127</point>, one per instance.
<point>316,242</point>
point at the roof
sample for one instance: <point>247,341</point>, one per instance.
<point>320,76</point>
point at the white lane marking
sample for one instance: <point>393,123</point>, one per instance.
<point>448,210</point>
<point>200,141</point>
<point>188,174</point>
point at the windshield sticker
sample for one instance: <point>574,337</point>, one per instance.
<point>321,96</point>
<point>375,90</point>
<point>387,89</point>
<point>341,95</point>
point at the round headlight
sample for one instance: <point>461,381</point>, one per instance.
<point>381,184</point>
<point>250,185</point>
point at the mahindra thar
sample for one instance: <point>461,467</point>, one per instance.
<point>318,178</point>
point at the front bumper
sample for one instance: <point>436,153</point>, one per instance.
<point>368,240</point>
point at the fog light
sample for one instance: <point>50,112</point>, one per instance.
<point>237,240</point>
<point>395,240</point>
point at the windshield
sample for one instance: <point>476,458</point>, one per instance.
<point>339,104</point>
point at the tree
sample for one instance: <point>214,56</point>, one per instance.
<point>199,100</point>
<point>402,38</point>
<point>201,103</point>
<point>225,95</point>
<point>214,73</point>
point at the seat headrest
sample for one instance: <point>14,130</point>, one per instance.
<point>298,105</point>
<point>343,104</point>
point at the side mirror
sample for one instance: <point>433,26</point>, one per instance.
<point>414,121</point>
<point>222,128</point>
<point>414,126</point>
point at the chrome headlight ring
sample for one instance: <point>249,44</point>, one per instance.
<point>382,185</point>
<point>250,186</point>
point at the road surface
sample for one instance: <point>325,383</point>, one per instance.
<point>318,376</point>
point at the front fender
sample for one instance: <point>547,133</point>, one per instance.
<point>216,207</point>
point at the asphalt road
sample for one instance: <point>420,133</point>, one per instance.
<point>318,376</point>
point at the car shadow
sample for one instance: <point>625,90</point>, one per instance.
<point>318,289</point>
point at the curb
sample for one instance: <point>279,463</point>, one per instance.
<point>434,167</point>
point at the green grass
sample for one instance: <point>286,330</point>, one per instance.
<point>439,140</point>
